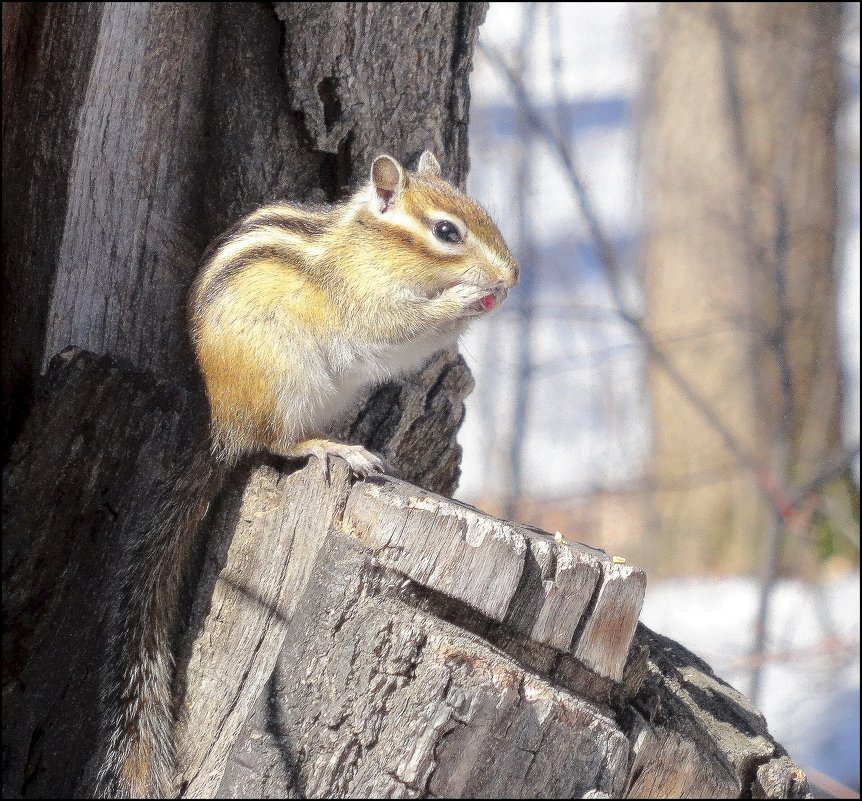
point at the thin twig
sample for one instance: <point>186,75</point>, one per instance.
<point>773,492</point>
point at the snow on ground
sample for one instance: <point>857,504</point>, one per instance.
<point>811,688</point>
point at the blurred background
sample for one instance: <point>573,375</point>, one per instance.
<point>676,377</point>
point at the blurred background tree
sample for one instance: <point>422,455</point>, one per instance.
<point>739,231</point>
<point>677,378</point>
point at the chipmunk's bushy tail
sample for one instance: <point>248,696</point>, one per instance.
<point>138,713</point>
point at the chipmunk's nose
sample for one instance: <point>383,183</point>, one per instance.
<point>513,275</point>
<point>500,292</point>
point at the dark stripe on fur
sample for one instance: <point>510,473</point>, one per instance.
<point>230,269</point>
<point>303,226</point>
<point>407,240</point>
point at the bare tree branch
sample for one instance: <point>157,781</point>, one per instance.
<point>772,491</point>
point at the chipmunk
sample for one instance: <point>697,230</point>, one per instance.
<point>293,314</point>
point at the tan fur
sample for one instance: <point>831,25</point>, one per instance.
<point>293,314</point>
<point>136,770</point>
<point>352,274</point>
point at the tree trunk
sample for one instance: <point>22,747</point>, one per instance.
<point>740,219</point>
<point>343,638</point>
<point>346,639</point>
<point>135,133</point>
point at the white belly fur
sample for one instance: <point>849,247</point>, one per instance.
<point>343,373</point>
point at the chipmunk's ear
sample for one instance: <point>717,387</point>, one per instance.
<point>428,165</point>
<point>388,180</point>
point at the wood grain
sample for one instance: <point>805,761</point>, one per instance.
<point>350,638</point>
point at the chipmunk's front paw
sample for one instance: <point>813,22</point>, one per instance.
<point>362,462</point>
<point>476,299</point>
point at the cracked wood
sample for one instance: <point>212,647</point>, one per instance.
<point>325,655</point>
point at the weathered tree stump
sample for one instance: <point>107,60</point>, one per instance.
<point>349,638</point>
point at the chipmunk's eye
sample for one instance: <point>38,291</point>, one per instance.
<point>446,231</point>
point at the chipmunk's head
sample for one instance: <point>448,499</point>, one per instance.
<point>452,238</point>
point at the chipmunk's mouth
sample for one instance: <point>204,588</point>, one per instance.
<point>490,301</point>
<point>493,296</point>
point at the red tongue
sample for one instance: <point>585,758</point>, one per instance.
<point>488,302</point>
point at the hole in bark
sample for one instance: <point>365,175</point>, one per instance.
<point>327,90</point>
<point>34,759</point>
<point>334,171</point>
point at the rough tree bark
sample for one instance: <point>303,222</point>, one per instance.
<point>134,133</point>
<point>347,638</point>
